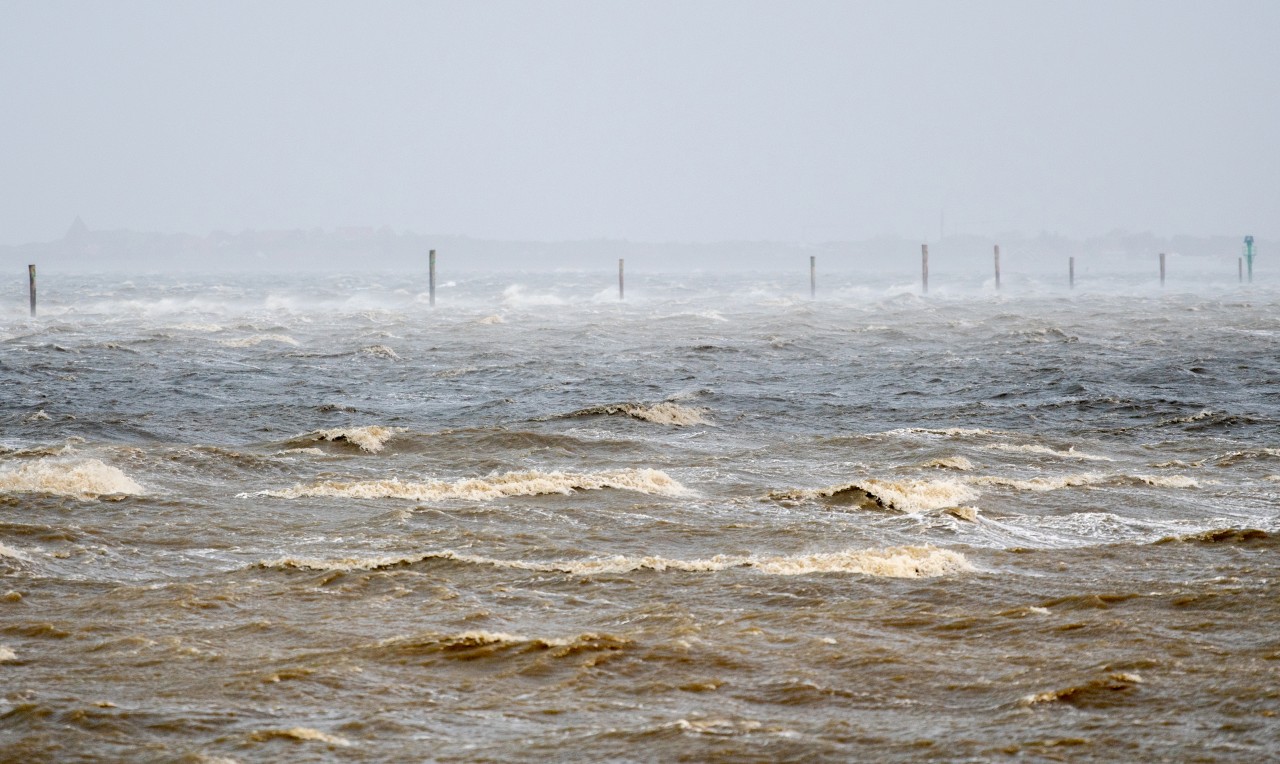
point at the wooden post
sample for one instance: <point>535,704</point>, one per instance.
<point>1071,272</point>
<point>431,278</point>
<point>31,275</point>
<point>620,280</point>
<point>997,267</point>
<point>1161,269</point>
<point>924,267</point>
<point>813,277</point>
<point>1240,262</point>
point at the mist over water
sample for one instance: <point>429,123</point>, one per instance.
<point>312,518</point>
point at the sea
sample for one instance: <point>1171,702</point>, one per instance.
<point>313,518</point>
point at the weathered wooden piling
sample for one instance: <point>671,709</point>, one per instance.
<point>997,267</point>
<point>1071,272</point>
<point>620,279</point>
<point>813,277</point>
<point>1161,269</point>
<point>431,278</point>
<point>924,267</point>
<point>31,276</point>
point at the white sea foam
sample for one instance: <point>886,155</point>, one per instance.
<point>1070,453</point>
<point>371,438</point>
<point>258,339</point>
<point>37,416</point>
<point>894,562</point>
<point>7,654</point>
<point>491,320</point>
<point>495,486</point>
<point>86,479</point>
<point>13,554</point>
<point>301,452</point>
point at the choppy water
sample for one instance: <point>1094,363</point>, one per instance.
<point>312,519</point>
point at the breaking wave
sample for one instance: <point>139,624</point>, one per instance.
<point>947,432</point>
<point>13,554</point>
<point>371,438</point>
<point>659,413</point>
<point>301,734</point>
<point>902,495</point>
<point>496,486</point>
<point>477,644</point>
<point>1070,453</point>
<point>951,463</point>
<point>1093,694</point>
<point>381,351</point>
<point>1219,536</point>
<point>86,479</point>
<point>894,562</point>
<point>258,339</point>
<point>1256,454</point>
<point>1083,479</point>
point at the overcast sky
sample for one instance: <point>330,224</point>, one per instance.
<point>655,121</point>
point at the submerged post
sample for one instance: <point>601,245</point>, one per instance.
<point>1071,272</point>
<point>431,278</point>
<point>31,275</point>
<point>813,276</point>
<point>997,267</point>
<point>924,267</point>
<point>620,292</point>
<point>1161,269</point>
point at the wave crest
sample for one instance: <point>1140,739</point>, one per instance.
<point>1092,694</point>
<point>496,486</point>
<point>371,438</point>
<point>258,339</point>
<point>300,734</point>
<point>478,644</point>
<point>1070,453</point>
<point>659,413</point>
<point>902,495</point>
<point>894,562</point>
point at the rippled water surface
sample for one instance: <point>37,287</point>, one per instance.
<point>310,518</point>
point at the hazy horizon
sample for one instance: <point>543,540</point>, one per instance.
<point>662,122</point>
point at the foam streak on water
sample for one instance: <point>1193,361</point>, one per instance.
<point>314,519</point>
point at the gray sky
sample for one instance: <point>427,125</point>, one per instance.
<point>696,121</point>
